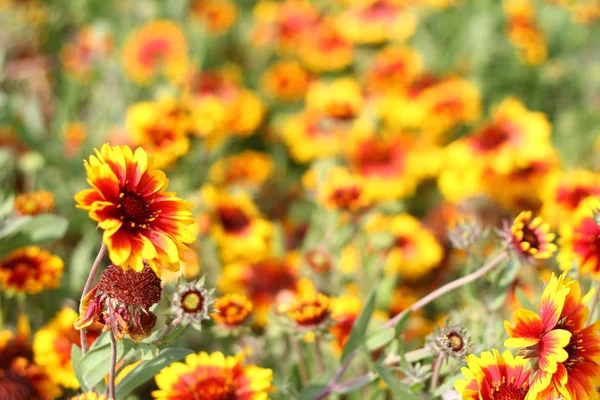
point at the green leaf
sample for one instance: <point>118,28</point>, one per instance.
<point>399,389</point>
<point>95,364</point>
<point>148,369</point>
<point>26,230</point>
<point>311,391</point>
<point>359,329</point>
<point>145,351</point>
<point>75,360</point>
<point>525,302</point>
<point>399,327</point>
<point>380,339</point>
<point>447,385</point>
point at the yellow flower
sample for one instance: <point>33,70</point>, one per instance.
<point>27,381</point>
<point>340,100</point>
<point>30,270</point>
<point>375,21</point>
<point>238,227</point>
<point>285,81</point>
<point>89,396</point>
<point>213,376</point>
<point>52,347</point>
<point>157,48</point>
<point>344,311</point>
<point>524,31</point>
<point>34,203</point>
<point>217,15</point>
<point>344,191</point>
<point>415,251</point>
<point>245,113</point>
<point>248,169</point>
<point>324,48</point>
<point>140,219</point>
<point>160,127</point>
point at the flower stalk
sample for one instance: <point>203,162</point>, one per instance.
<point>86,289</point>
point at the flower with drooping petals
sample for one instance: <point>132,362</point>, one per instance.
<point>121,301</point>
<point>30,270</point>
<point>52,346</point>
<point>157,48</point>
<point>213,376</point>
<point>232,310</point>
<point>539,334</point>
<point>140,218</point>
<point>494,376</point>
<point>530,238</point>
<point>34,203</point>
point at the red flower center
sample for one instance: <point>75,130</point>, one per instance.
<point>531,237</point>
<point>233,219</point>
<point>491,138</point>
<point>507,391</point>
<point>212,388</point>
<point>135,210</point>
<point>346,196</point>
<point>192,301</point>
<point>152,51</point>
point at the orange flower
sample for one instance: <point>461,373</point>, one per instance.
<point>540,334</point>
<point>309,311</point>
<point>141,220</point>
<point>24,380</point>
<point>325,49</point>
<point>30,270</point>
<point>74,135</point>
<point>286,81</point>
<point>34,203</point>
<point>393,68</point>
<point>232,310</point>
<point>217,15</point>
<point>494,376</point>
<point>159,47</point>
<point>248,169</point>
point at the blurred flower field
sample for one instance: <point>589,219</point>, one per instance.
<point>328,199</point>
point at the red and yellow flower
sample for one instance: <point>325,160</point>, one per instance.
<point>231,310</point>
<point>494,376</point>
<point>140,218</point>
<point>34,203</point>
<point>392,69</point>
<point>238,228</point>
<point>309,310</point>
<point>415,251</point>
<point>524,31</point>
<point>324,48</point>
<point>157,48</point>
<point>24,380</point>
<point>375,21</point>
<point>540,335</point>
<point>52,347</point>
<point>91,44</point>
<point>248,169</point>
<point>343,190</point>
<point>580,240</point>
<point>530,238</point>
<point>213,376</point>
<point>344,311</point>
<point>30,270</point>
<point>160,127</point>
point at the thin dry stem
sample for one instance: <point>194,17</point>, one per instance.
<point>301,364</point>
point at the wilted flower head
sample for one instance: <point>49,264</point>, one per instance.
<point>191,303</point>
<point>121,301</point>
<point>451,340</point>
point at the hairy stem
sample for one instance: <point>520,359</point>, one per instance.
<point>113,354</point>
<point>491,264</point>
<point>301,364</point>
<point>437,366</point>
<point>319,354</point>
<point>86,289</point>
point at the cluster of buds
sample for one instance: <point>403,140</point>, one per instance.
<point>452,341</point>
<point>121,302</point>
